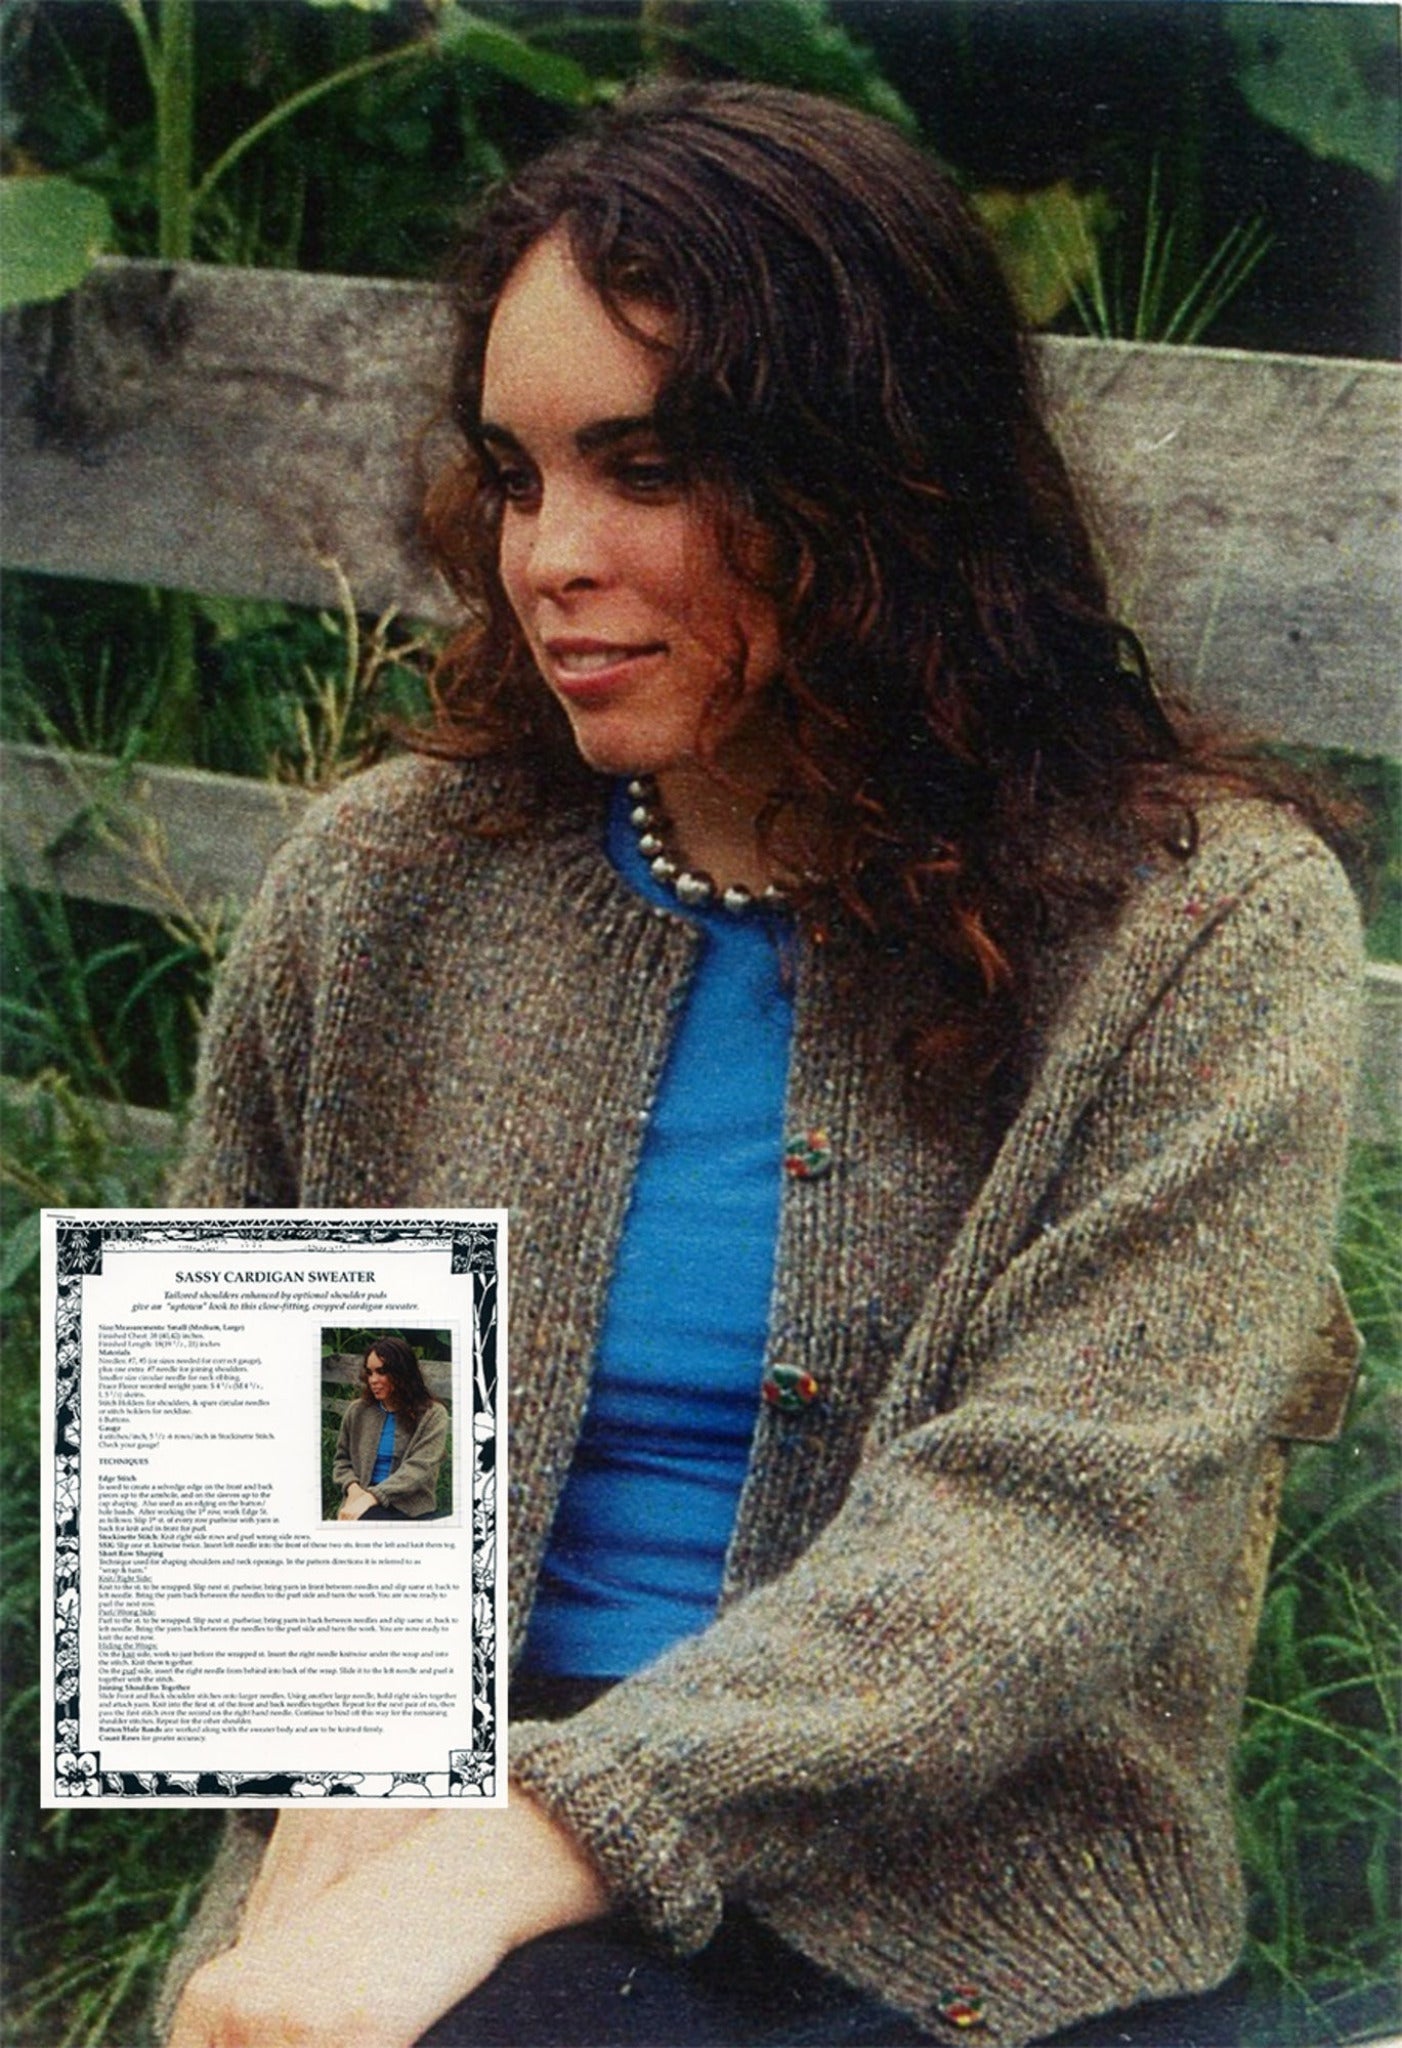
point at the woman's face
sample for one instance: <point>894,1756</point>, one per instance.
<point>610,562</point>
<point>378,1380</point>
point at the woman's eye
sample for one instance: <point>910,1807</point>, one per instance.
<point>649,478</point>
<point>516,486</point>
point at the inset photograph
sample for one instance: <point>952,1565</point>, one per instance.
<point>386,1425</point>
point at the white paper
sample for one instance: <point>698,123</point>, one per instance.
<point>216,1640</point>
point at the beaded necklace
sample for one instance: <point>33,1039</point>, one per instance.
<point>691,886</point>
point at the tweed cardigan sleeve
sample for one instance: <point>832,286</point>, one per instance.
<point>1004,1635</point>
<point>343,1472</point>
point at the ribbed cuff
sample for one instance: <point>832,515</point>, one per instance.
<point>650,1860</point>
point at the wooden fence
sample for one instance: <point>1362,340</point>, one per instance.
<point>263,433</point>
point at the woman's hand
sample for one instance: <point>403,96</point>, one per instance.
<point>357,1500</point>
<point>363,1929</point>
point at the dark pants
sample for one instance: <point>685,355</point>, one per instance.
<point>602,1987</point>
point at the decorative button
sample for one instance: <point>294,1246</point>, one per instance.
<point>789,1389</point>
<point>808,1155</point>
<point>962,2006</point>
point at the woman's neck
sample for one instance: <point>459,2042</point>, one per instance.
<point>712,825</point>
<point>713,820</point>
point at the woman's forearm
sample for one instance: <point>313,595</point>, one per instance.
<point>303,1969</point>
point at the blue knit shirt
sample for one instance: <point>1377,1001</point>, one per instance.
<point>639,1542</point>
<point>384,1451</point>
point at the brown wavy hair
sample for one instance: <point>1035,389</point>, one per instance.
<point>412,1399</point>
<point>973,744</point>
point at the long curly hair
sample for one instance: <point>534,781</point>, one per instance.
<point>972,741</point>
<point>412,1399</point>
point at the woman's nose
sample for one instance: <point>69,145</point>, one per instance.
<point>568,546</point>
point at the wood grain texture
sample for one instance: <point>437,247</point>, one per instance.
<point>176,841</point>
<point>226,431</point>
<point>1252,518</point>
<point>230,431</point>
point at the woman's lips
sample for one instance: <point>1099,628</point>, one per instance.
<point>582,670</point>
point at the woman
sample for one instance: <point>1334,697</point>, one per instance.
<point>918,1070</point>
<point>391,1441</point>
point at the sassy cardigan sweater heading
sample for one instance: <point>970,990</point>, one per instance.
<point>965,1719</point>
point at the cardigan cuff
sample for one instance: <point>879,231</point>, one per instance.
<point>650,1860</point>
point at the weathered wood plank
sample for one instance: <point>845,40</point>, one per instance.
<point>225,431</point>
<point>228,431</point>
<point>176,838</point>
<point>34,1107</point>
<point>1378,1110</point>
<point>170,840</point>
<point>1253,524</point>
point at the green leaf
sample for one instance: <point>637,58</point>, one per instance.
<point>798,44</point>
<point>1327,75</point>
<point>50,232</point>
<point>20,1251</point>
<point>541,71</point>
<point>1048,243</point>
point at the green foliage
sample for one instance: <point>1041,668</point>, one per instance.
<point>280,691</point>
<point>93,1900</point>
<point>51,230</point>
<point>464,35</point>
<point>1321,1752</point>
<point>1067,249</point>
<point>80,663</point>
<point>333,1408</point>
<point>794,43</point>
<point>1048,242</point>
<point>1327,75</point>
<point>107,998</point>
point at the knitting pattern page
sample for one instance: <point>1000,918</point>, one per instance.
<point>272,1573</point>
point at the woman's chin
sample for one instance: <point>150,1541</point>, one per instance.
<point>621,753</point>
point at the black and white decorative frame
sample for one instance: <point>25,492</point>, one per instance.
<point>79,1247</point>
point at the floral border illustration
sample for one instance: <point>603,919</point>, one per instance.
<point>80,1244</point>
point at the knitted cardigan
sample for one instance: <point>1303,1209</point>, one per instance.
<point>412,1485</point>
<point>962,1729</point>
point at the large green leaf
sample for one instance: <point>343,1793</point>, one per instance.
<point>554,77</point>
<point>796,43</point>
<point>1328,75</point>
<point>50,232</point>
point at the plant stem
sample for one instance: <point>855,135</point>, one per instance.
<point>174,727</point>
<point>175,123</point>
<point>171,69</point>
<point>294,104</point>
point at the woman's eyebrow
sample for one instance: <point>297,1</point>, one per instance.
<point>588,440</point>
<point>604,433</point>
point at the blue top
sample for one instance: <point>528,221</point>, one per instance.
<point>384,1456</point>
<point>639,1542</point>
